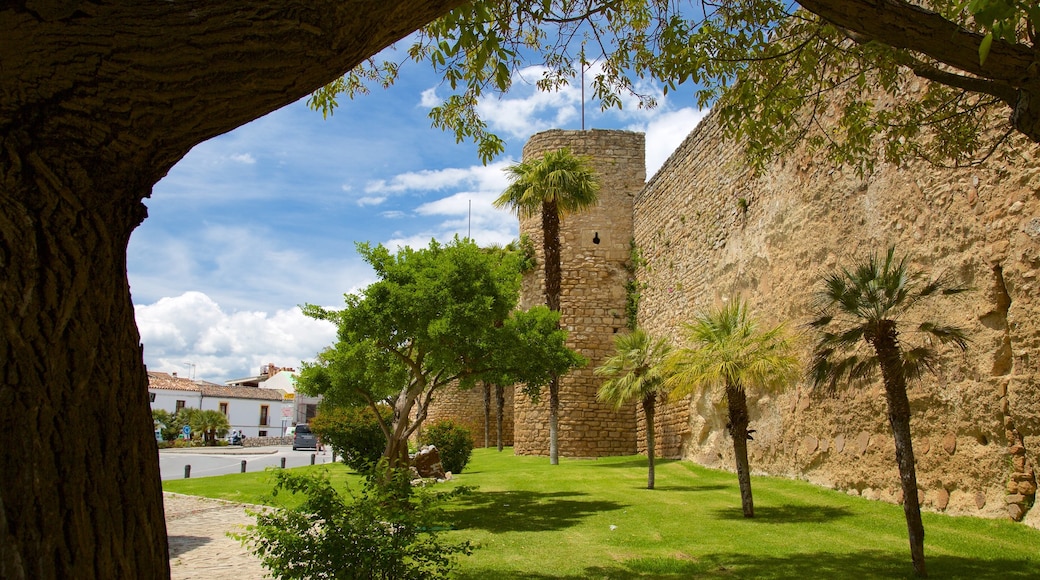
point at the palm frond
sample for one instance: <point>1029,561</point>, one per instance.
<point>946,334</point>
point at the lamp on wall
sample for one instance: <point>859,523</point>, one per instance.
<point>595,238</point>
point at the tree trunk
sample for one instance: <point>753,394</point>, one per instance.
<point>553,281</point>
<point>80,494</point>
<point>500,396</point>
<point>487,415</point>
<point>887,346</point>
<point>551,248</point>
<point>648,412</point>
<point>100,100</point>
<point>738,424</point>
<point>554,421</point>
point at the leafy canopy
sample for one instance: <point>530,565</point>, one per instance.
<point>635,370</point>
<point>772,70</point>
<point>437,316</point>
<point>855,307</point>
<point>726,349</point>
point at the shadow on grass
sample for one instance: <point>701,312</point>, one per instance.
<point>638,462</point>
<point>525,511</point>
<point>785,514</point>
<point>860,565</point>
<point>706,487</point>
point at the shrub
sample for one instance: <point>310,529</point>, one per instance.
<point>353,433</point>
<point>375,534</point>
<point>453,442</point>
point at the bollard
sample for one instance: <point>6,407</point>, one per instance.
<point>283,463</point>
<point>187,472</point>
<point>312,458</point>
<point>243,466</point>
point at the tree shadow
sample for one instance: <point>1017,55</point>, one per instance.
<point>182,544</point>
<point>525,511</point>
<point>867,564</point>
<point>785,514</point>
<point>638,462</point>
<point>706,487</point>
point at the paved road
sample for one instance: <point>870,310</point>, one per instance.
<point>223,460</point>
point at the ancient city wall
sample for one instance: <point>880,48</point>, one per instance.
<point>711,231</point>
<point>595,251</point>
<point>466,407</point>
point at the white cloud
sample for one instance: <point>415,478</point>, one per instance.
<point>244,158</point>
<point>371,200</point>
<point>193,329</point>
<point>665,132</point>
<point>481,177</point>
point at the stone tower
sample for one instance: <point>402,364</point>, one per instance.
<point>595,250</point>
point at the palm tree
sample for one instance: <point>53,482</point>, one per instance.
<point>857,313</point>
<point>729,352</point>
<point>636,372</point>
<point>558,184</point>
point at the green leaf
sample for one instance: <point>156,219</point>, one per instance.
<point>984,46</point>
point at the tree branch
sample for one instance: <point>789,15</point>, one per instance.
<point>901,24</point>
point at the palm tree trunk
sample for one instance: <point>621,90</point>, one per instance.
<point>887,348</point>
<point>738,424</point>
<point>553,280</point>
<point>551,248</point>
<point>500,396</point>
<point>648,411</point>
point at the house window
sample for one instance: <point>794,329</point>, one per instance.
<point>262,434</point>
<point>223,408</point>
<point>263,414</point>
<point>151,397</point>
<point>180,405</point>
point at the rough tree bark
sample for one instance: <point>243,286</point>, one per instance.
<point>648,411</point>
<point>97,102</point>
<point>736,400</point>
<point>887,346</point>
<point>553,280</point>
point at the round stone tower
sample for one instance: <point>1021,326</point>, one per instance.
<point>595,250</point>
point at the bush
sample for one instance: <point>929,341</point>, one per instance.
<point>353,433</point>
<point>375,534</point>
<point>453,442</point>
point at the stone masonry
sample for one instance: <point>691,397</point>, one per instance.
<point>594,253</point>
<point>711,230</point>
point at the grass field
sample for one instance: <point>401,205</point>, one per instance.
<point>596,519</point>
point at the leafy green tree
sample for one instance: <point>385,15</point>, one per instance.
<point>354,433</point>
<point>858,312</point>
<point>728,352</point>
<point>166,423</point>
<point>771,67</point>
<point>557,184</point>
<point>636,372</point>
<point>362,536</point>
<point>437,317</point>
<point>211,424</point>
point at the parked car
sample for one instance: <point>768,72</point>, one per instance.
<point>303,438</point>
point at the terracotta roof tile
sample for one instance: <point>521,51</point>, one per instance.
<point>166,381</point>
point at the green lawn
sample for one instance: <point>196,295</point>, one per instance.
<point>595,519</point>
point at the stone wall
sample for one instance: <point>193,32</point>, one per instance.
<point>466,407</point>
<point>712,231</point>
<point>595,252</point>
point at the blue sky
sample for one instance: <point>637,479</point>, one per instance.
<point>253,223</point>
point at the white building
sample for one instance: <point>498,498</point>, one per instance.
<point>298,408</point>
<point>253,411</point>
